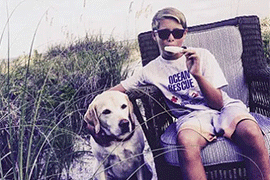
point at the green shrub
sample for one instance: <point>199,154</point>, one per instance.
<point>265,27</point>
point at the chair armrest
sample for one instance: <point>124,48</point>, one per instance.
<point>156,114</point>
<point>144,92</point>
<point>256,68</point>
<point>259,83</point>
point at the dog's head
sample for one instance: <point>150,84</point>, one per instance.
<point>113,112</point>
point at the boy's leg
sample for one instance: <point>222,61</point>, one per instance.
<point>249,138</point>
<point>191,144</point>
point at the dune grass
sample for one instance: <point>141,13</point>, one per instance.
<point>265,28</point>
<point>43,100</point>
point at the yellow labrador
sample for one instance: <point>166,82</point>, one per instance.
<point>118,140</point>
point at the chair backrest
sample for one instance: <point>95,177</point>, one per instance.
<point>227,41</point>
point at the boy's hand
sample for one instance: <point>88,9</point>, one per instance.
<point>193,62</point>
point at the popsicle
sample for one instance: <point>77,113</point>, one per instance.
<point>174,49</point>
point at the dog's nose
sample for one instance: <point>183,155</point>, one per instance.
<point>124,125</point>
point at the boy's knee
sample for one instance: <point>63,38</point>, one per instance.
<point>190,139</point>
<point>190,143</point>
<point>248,131</point>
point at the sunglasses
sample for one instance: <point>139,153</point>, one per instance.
<point>165,33</point>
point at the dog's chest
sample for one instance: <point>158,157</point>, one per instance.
<point>124,152</point>
<point>121,158</point>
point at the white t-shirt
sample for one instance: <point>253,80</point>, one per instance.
<point>176,83</point>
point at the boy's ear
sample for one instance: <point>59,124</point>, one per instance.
<point>154,36</point>
<point>186,31</point>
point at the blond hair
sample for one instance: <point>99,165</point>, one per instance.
<point>168,13</point>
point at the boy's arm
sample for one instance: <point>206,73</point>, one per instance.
<point>212,95</point>
<point>118,87</point>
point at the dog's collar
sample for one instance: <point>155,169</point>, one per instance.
<point>105,140</point>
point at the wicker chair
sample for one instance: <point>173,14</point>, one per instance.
<point>237,45</point>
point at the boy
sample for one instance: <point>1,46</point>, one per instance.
<point>191,80</point>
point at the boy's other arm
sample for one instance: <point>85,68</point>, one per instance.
<point>212,95</point>
<point>118,87</point>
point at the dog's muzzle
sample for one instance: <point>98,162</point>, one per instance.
<point>124,126</point>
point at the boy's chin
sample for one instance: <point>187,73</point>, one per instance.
<point>170,56</point>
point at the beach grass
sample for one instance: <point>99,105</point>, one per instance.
<point>43,101</point>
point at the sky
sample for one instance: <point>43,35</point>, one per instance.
<point>51,22</point>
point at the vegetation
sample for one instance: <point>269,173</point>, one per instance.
<point>265,28</point>
<point>43,100</point>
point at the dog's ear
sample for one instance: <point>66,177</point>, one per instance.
<point>130,110</point>
<point>91,118</point>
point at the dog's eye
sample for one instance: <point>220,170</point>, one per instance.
<point>123,106</point>
<point>106,111</point>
